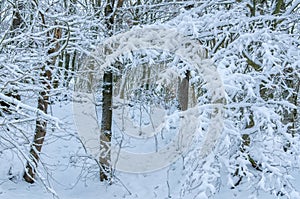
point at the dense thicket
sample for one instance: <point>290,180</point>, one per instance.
<point>255,46</point>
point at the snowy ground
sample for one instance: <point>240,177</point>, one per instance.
<point>72,178</point>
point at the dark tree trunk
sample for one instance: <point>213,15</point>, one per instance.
<point>17,19</point>
<point>107,94</point>
<point>105,136</point>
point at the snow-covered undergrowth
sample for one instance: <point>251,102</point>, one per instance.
<point>74,175</point>
<point>254,46</point>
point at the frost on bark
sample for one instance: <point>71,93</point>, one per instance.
<point>107,94</point>
<point>105,136</point>
<point>41,124</point>
<point>17,18</point>
<point>17,23</point>
<point>39,136</point>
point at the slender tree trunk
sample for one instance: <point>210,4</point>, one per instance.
<point>123,87</point>
<point>17,23</point>
<point>39,134</point>
<point>106,123</point>
<point>17,19</point>
<point>41,124</point>
<point>105,136</point>
<point>183,92</point>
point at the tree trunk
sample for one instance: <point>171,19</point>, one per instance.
<point>41,124</point>
<point>17,23</point>
<point>105,136</point>
<point>39,136</point>
<point>107,94</point>
<point>183,92</point>
<point>17,19</point>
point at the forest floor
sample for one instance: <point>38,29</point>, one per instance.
<point>72,177</point>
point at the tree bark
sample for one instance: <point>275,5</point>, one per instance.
<point>107,94</point>
<point>17,19</point>
<point>39,136</point>
<point>183,92</point>
<point>41,124</point>
<point>105,136</point>
<point>17,23</point>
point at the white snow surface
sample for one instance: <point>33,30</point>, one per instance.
<point>74,182</point>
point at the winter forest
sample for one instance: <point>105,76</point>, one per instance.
<point>145,99</point>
